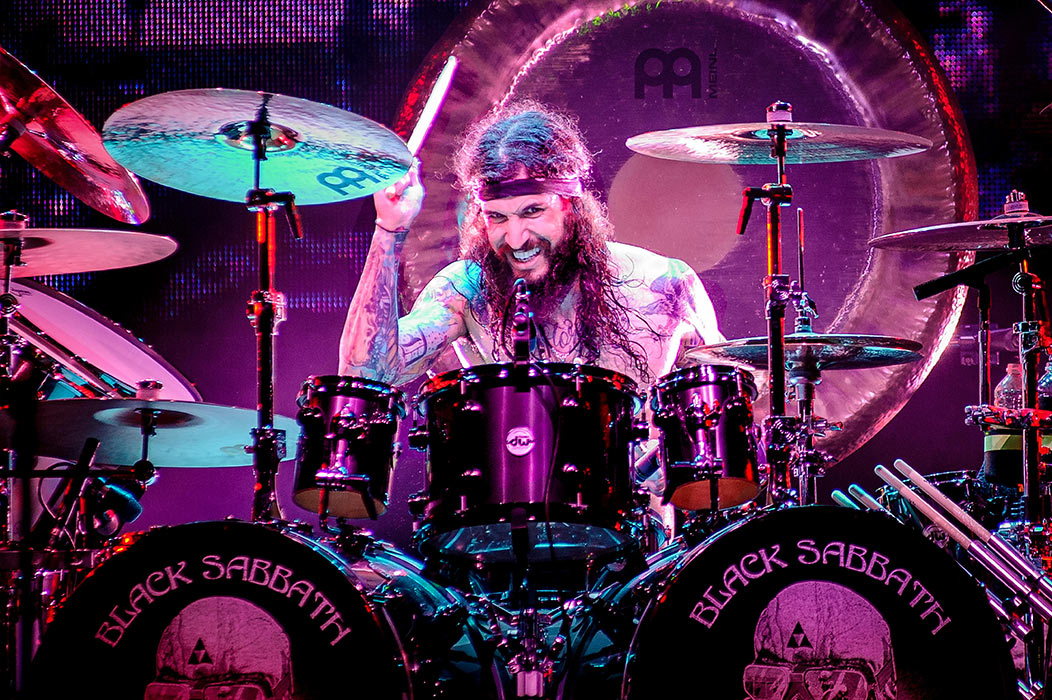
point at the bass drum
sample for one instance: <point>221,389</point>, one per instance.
<point>235,610</point>
<point>808,603</point>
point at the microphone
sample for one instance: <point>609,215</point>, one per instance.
<point>111,505</point>
<point>521,324</point>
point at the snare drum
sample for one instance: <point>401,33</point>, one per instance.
<point>706,422</point>
<point>548,450</point>
<point>347,447</point>
<point>807,602</point>
<point>232,609</point>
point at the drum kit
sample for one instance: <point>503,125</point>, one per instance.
<point>543,571</point>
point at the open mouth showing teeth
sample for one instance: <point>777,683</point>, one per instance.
<point>524,255</point>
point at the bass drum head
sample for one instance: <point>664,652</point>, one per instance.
<point>819,600</point>
<point>205,606</point>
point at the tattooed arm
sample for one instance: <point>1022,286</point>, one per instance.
<point>371,344</point>
<point>697,316</point>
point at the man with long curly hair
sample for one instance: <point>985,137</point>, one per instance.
<point>528,215</point>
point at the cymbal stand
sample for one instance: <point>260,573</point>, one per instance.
<point>808,464</point>
<point>20,400</point>
<point>1033,339</point>
<point>266,310</point>
<point>1032,331</point>
<point>1033,335</point>
<point>778,427</point>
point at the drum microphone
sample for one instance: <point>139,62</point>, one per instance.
<point>110,505</point>
<point>521,324</point>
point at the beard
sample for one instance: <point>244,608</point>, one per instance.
<point>546,293</point>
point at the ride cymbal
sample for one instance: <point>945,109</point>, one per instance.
<point>198,141</point>
<point>988,234</point>
<point>750,144</point>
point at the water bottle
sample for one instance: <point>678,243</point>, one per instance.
<point>1044,401</point>
<point>1003,448</point>
<point>1044,388</point>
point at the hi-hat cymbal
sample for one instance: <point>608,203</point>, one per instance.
<point>816,351</point>
<point>57,251</point>
<point>988,234</point>
<point>196,141</point>
<point>59,142</point>
<point>188,434</point>
<point>750,144</point>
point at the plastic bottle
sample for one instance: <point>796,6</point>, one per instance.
<point>1044,388</point>
<point>1009,391</point>
<point>1003,448</point>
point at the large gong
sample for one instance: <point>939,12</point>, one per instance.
<point>630,67</point>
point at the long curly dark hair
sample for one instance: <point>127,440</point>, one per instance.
<point>528,136</point>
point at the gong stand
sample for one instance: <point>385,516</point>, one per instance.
<point>266,310</point>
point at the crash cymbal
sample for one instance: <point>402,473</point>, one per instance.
<point>57,251</point>
<point>988,234</point>
<point>750,144</point>
<point>196,141</point>
<point>59,142</point>
<point>188,434</point>
<point>818,351</point>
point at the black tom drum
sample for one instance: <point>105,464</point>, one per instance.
<point>347,449</point>
<point>549,449</point>
<point>706,421</point>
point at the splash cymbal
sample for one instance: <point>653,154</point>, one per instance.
<point>59,142</point>
<point>197,141</point>
<point>750,144</point>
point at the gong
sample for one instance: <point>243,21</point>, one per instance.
<point>630,67</point>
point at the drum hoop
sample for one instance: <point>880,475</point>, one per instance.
<point>502,371</point>
<point>675,381</point>
<point>335,384</point>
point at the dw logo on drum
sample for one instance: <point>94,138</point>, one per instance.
<point>519,441</point>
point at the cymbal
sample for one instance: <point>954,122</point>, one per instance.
<point>57,251</point>
<point>193,435</point>
<point>749,144</point>
<point>818,351</point>
<point>62,144</point>
<point>988,234</point>
<point>196,141</point>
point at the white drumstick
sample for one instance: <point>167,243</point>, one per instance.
<point>432,106</point>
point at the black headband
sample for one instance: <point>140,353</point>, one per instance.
<point>568,187</point>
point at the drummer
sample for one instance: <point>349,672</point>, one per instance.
<point>523,170</point>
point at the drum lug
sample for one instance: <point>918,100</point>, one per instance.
<point>469,406</point>
<point>570,401</point>
<point>418,503</point>
<point>418,438</point>
<point>641,429</point>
